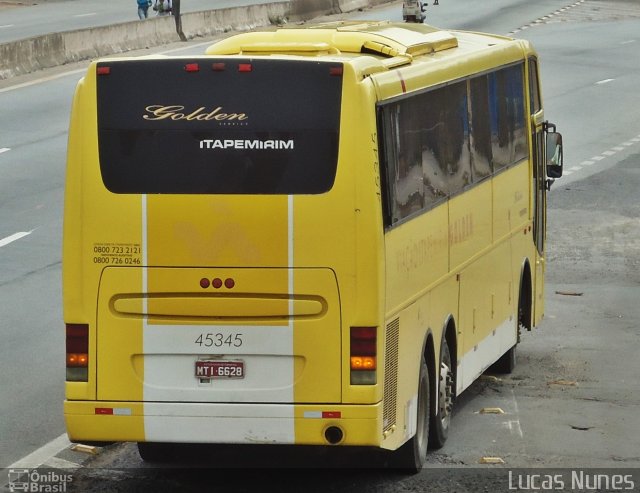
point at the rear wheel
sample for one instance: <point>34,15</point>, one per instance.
<point>507,362</point>
<point>412,456</point>
<point>156,452</point>
<point>441,419</point>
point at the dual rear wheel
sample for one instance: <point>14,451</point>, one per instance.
<point>432,422</point>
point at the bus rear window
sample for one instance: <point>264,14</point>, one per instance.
<point>218,126</point>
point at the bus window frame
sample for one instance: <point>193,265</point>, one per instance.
<point>382,141</point>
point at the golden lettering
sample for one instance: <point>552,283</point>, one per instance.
<point>158,112</point>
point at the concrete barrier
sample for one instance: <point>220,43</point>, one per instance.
<point>351,5</point>
<point>51,50</point>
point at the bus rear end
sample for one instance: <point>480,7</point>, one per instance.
<point>213,242</point>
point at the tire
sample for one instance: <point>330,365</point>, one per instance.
<point>412,456</point>
<point>155,452</point>
<point>441,417</point>
<point>507,362</point>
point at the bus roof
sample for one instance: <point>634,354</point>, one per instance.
<point>340,37</point>
<point>375,47</point>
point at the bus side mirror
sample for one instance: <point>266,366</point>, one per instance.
<point>554,155</point>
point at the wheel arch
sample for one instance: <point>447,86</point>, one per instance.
<point>525,296</point>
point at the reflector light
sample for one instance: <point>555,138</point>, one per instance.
<point>331,414</point>
<point>218,67</point>
<point>335,71</point>
<point>217,283</point>
<point>229,283</point>
<point>204,283</point>
<point>104,410</point>
<point>244,67</point>
<point>192,67</point>
<point>103,70</point>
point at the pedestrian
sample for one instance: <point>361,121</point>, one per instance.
<point>143,8</point>
<point>162,7</point>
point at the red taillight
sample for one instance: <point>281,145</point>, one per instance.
<point>362,357</point>
<point>103,70</point>
<point>244,67</point>
<point>77,343</point>
<point>192,67</point>
<point>335,71</point>
<point>218,67</point>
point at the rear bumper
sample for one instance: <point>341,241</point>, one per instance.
<point>96,421</point>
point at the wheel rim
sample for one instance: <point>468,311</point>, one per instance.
<point>445,397</point>
<point>422,435</point>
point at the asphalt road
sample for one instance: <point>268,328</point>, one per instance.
<point>572,401</point>
<point>21,19</point>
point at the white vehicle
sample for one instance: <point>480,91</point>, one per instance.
<point>413,11</point>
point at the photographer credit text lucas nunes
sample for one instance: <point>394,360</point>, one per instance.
<point>572,480</point>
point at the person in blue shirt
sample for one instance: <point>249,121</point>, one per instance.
<point>143,8</point>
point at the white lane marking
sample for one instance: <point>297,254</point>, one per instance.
<point>57,463</point>
<point>182,48</point>
<point>605,154</point>
<point>7,25</point>
<point>4,149</point>
<point>628,42</point>
<point>605,81</point>
<point>90,14</point>
<point>14,237</point>
<point>43,79</point>
<point>515,423</point>
<point>43,454</point>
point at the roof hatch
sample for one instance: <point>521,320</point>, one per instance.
<point>380,37</point>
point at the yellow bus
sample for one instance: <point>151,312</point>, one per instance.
<point>313,235</point>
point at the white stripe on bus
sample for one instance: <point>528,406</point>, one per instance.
<point>474,362</point>
<point>219,423</point>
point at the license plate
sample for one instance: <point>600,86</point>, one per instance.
<point>220,369</point>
